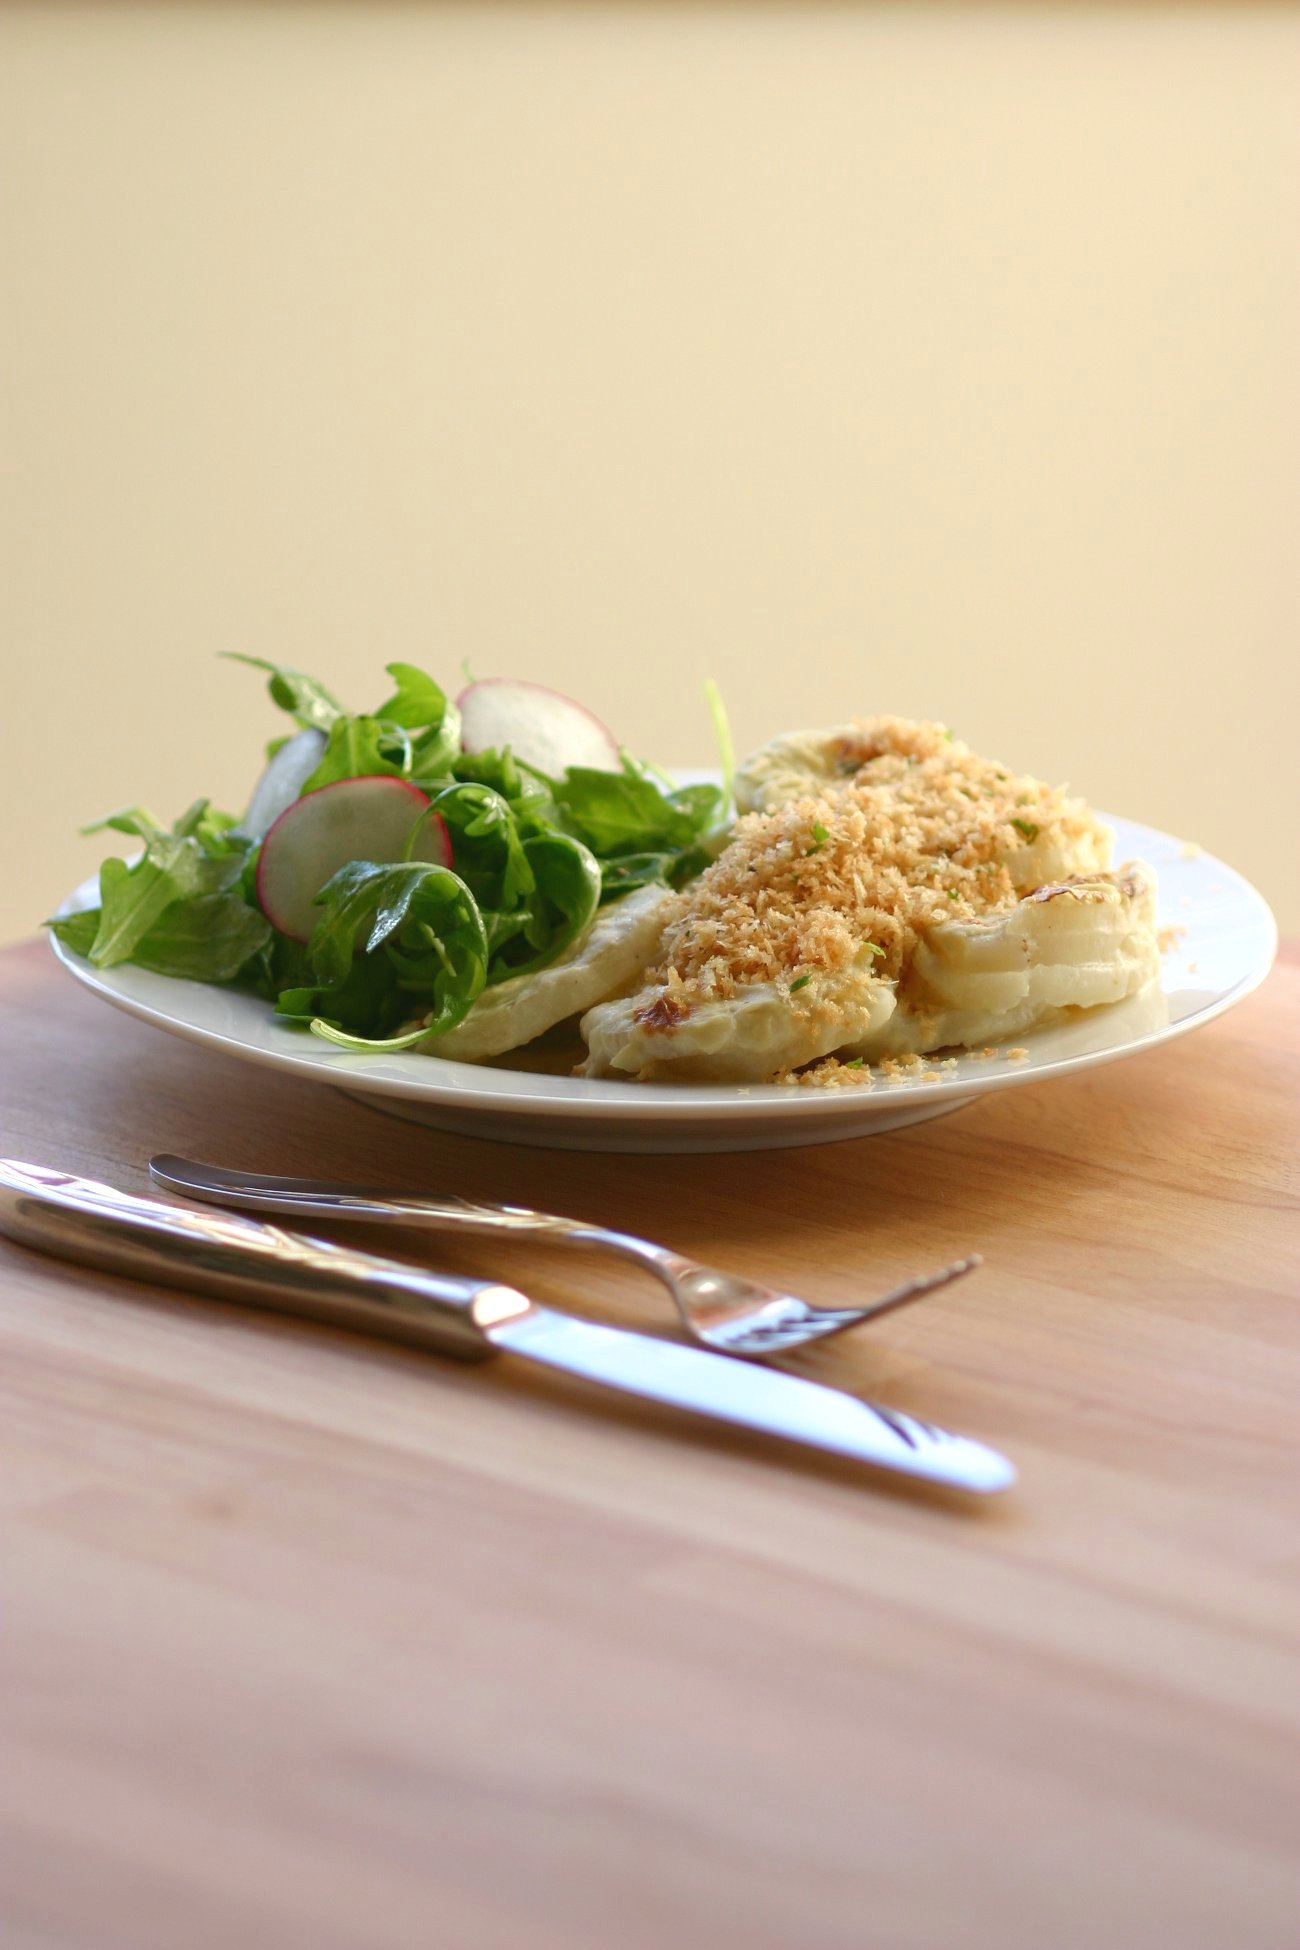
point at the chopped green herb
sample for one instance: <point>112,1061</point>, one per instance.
<point>1027,827</point>
<point>801,982</point>
<point>820,836</point>
<point>871,949</point>
<point>855,1063</point>
<point>952,893</point>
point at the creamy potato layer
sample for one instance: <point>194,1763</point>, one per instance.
<point>887,891</point>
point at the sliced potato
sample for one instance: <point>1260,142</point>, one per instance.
<point>609,957</point>
<point>1069,945</point>
<point>745,1039</point>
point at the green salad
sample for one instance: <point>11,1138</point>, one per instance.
<point>384,876</point>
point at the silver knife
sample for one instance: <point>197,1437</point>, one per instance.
<point>260,1265</point>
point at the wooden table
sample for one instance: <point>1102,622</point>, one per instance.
<point>311,1642</point>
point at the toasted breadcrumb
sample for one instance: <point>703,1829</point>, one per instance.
<point>917,836</point>
<point>1167,938</point>
<point>831,1074</point>
<point>835,1073</point>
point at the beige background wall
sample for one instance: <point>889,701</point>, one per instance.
<point>941,360</point>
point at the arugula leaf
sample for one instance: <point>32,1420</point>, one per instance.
<point>414,735</point>
<point>433,751</point>
<point>192,860</point>
<point>425,920</point>
<point>367,999</point>
<point>211,938</point>
<point>485,844</point>
<point>129,819</point>
<point>499,769</point>
<point>536,895</point>
<point>418,704</point>
<point>359,748</point>
<point>304,697</point>
<point>208,939</point>
<point>75,931</point>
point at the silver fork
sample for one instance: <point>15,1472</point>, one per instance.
<point>724,1312</point>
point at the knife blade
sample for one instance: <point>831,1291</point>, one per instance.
<point>264,1266</point>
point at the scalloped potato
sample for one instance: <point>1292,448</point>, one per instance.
<point>888,891</point>
<point>611,954</point>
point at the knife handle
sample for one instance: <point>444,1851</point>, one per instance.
<point>248,1262</point>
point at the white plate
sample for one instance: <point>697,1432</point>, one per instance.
<point>1226,950</point>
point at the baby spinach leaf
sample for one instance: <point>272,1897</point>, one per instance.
<point>621,812</point>
<point>673,867</point>
<point>702,805</point>
<point>567,888</point>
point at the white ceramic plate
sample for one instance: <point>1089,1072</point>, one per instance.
<point>1226,950</point>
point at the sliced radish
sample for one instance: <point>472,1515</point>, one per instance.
<point>542,727</point>
<point>284,778</point>
<point>353,819</point>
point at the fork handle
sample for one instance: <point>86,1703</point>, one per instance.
<point>244,1260</point>
<point>319,1198</point>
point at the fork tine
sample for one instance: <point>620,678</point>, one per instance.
<point>901,1296</point>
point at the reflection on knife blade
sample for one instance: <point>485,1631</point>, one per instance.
<point>752,1397</point>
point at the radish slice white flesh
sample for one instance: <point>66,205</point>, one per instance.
<point>541,727</point>
<point>284,778</point>
<point>353,819</point>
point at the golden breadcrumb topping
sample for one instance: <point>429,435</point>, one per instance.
<point>917,835</point>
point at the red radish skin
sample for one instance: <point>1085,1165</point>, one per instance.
<point>541,726</point>
<point>354,819</point>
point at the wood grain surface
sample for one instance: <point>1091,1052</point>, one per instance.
<point>309,1642</point>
